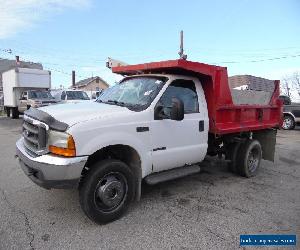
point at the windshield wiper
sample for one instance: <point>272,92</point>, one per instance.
<point>122,104</point>
<point>116,102</point>
<point>135,107</point>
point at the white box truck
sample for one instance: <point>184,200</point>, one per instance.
<point>18,82</point>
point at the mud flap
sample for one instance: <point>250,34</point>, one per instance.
<point>267,139</point>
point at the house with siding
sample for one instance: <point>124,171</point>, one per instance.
<point>94,83</point>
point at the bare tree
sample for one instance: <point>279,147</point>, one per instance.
<point>285,86</point>
<point>296,81</point>
<point>290,85</point>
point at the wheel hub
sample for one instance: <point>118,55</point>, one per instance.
<point>110,191</point>
<point>253,161</point>
<point>287,122</point>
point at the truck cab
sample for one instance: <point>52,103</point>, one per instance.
<point>35,99</point>
<point>70,96</point>
<point>175,139</point>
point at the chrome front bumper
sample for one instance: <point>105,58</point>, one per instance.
<point>49,171</point>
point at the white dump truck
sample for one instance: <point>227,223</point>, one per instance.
<point>24,88</point>
<point>157,124</point>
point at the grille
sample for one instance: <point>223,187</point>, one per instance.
<point>35,136</point>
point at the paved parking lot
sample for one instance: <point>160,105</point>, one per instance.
<point>207,210</point>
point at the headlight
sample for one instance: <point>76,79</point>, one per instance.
<point>61,143</point>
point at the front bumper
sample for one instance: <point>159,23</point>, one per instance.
<point>49,171</point>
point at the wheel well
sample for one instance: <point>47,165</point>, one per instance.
<point>222,145</point>
<point>286,114</point>
<point>120,152</point>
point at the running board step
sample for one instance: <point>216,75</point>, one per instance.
<point>172,174</point>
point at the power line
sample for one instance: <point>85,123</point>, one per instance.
<point>92,60</point>
<point>264,60</point>
<point>47,68</point>
<point>10,51</point>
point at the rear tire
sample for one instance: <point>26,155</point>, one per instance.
<point>15,113</point>
<point>249,158</point>
<point>231,155</point>
<point>106,191</point>
<point>7,110</point>
<point>288,122</point>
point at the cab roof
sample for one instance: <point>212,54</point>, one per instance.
<point>179,67</point>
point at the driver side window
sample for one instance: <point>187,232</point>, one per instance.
<point>23,95</point>
<point>184,90</point>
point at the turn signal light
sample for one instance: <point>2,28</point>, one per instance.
<point>70,143</point>
<point>70,151</point>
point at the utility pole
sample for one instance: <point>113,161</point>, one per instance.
<point>17,60</point>
<point>73,78</point>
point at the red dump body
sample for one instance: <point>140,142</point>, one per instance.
<point>224,116</point>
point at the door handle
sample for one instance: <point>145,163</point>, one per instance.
<point>201,126</point>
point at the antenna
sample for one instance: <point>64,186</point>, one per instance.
<point>181,54</point>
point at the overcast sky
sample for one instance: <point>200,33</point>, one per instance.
<point>249,37</point>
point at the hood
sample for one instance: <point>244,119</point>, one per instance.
<point>72,113</point>
<point>49,100</point>
<point>75,101</point>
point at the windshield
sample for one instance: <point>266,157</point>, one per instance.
<point>136,93</point>
<point>39,94</point>
<point>77,95</point>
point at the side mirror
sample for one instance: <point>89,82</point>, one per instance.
<point>287,101</point>
<point>177,111</point>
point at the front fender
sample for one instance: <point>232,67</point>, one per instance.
<point>141,144</point>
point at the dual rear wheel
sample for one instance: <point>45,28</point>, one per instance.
<point>244,157</point>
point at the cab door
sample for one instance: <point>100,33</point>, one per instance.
<point>22,107</point>
<point>176,143</point>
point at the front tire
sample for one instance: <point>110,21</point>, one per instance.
<point>106,191</point>
<point>249,158</point>
<point>15,113</point>
<point>288,122</point>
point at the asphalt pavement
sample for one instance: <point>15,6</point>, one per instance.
<point>208,210</point>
